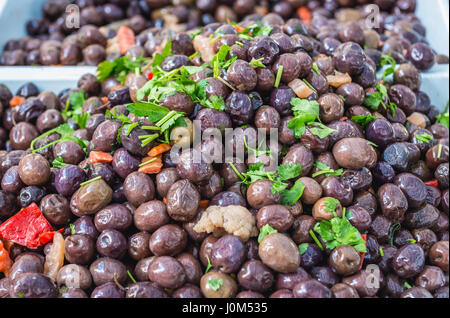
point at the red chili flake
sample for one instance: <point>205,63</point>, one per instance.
<point>364,236</point>
<point>344,118</point>
<point>433,183</point>
<point>150,76</point>
<point>28,228</point>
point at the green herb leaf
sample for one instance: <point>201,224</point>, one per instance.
<point>407,285</point>
<point>289,197</point>
<point>363,120</point>
<point>289,171</point>
<point>166,52</point>
<point>58,163</point>
<point>326,170</point>
<point>131,277</point>
<point>316,69</point>
<point>278,77</point>
<point>72,229</point>
<point>320,130</point>
<point>392,229</point>
<point>385,60</point>
<point>264,231</point>
<point>257,63</point>
<point>208,268</point>
<point>331,204</point>
<point>305,111</point>
<point>215,284</point>
<point>439,151</point>
<point>302,248</point>
<point>90,181</point>
<point>314,237</point>
<point>339,231</point>
<point>412,241</point>
<point>423,138</point>
<point>381,252</point>
<point>443,118</point>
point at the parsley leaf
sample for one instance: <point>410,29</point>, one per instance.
<point>302,248</point>
<point>120,68</point>
<point>326,170</point>
<point>444,117</point>
<point>58,162</point>
<point>74,109</point>
<point>289,171</point>
<point>363,120</point>
<point>215,284</point>
<point>385,60</point>
<point>289,197</point>
<point>331,204</point>
<point>305,111</point>
<point>264,231</point>
<point>160,57</point>
<point>380,97</point>
<point>320,130</point>
<point>339,231</point>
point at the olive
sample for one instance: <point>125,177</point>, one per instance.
<point>226,290</point>
<point>279,253</point>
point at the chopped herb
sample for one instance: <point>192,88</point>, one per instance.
<point>439,151</point>
<point>74,109</point>
<point>342,97</point>
<point>215,284</point>
<point>372,144</point>
<point>63,290</point>
<point>385,60</point>
<point>160,57</point>
<point>21,294</point>
<point>412,241</point>
<point>302,248</point>
<point>131,277</point>
<point>326,170</point>
<point>120,68</point>
<point>331,204</point>
<point>289,171</point>
<point>58,163</point>
<point>309,85</point>
<point>314,237</point>
<point>381,252</point>
<point>208,268</point>
<point>339,231</point>
<point>257,63</point>
<point>392,229</point>
<point>147,162</point>
<point>236,171</point>
<point>219,60</point>
<point>65,131</point>
<point>264,231</point>
<point>195,33</point>
<point>380,97</point>
<point>443,118</point>
<point>278,78</point>
<point>363,120</point>
<point>291,196</point>
<point>305,112</point>
<point>90,181</point>
<point>320,130</point>
<point>316,68</point>
<point>239,43</point>
<point>407,285</point>
<point>423,138</point>
<point>191,57</point>
<point>72,229</point>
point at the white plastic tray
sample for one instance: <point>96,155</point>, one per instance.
<point>15,13</point>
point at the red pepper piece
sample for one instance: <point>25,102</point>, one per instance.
<point>364,236</point>
<point>26,227</point>
<point>150,76</point>
<point>5,260</point>
<point>433,183</point>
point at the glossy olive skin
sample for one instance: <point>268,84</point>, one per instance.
<point>91,198</point>
<point>279,253</point>
<point>182,201</point>
<point>104,269</point>
<point>168,240</point>
<point>167,272</point>
<point>228,289</point>
<point>111,243</point>
<point>74,276</point>
<point>139,188</point>
<point>32,285</point>
<point>408,261</point>
<point>227,254</point>
<point>113,217</point>
<point>311,289</point>
<point>344,260</point>
<point>79,249</point>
